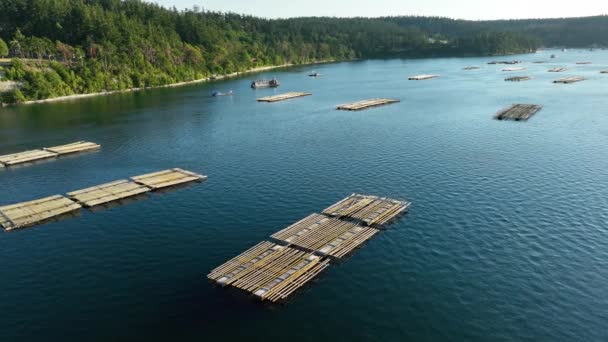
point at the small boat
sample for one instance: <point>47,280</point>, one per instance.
<point>315,74</point>
<point>553,56</point>
<point>219,93</point>
<point>265,83</point>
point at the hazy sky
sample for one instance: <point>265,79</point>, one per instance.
<point>465,9</point>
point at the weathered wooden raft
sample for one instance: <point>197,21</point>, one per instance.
<point>371,210</point>
<point>558,69</point>
<point>282,97</point>
<point>366,104</point>
<point>26,214</point>
<point>518,112</point>
<point>269,271</point>
<point>422,77</point>
<point>167,178</point>
<point>25,157</point>
<point>504,62</point>
<point>513,69</point>
<point>604,72</point>
<point>80,146</point>
<point>568,80</point>
<point>471,68</point>
<point>583,63</point>
<point>46,153</point>
<point>326,235</point>
<point>108,192</point>
<point>518,78</point>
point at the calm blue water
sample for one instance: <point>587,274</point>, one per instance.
<point>507,238</point>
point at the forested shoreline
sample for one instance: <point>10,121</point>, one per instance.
<point>62,47</point>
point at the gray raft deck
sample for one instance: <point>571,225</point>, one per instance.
<point>366,104</point>
<point>283,97</point>
<point>518,112</point>
<point>106,193</point>
<point>46,153</point>
<point>422,77</point>
<point>518,78</point>
<point>27,214</point>
<point>168,178</point>
<point>326,235</point>
<point>371,210</point>
<point>568,80</point>
<point>269,271</point>
<point>558,69</point>
<point>77,147</point>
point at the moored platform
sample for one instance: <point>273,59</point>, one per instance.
<point>326,235</point>
<point>269,271</point>
<point>283,97</point>
<point>25,157</point>
<point>568,80</point>
<point>107,193</point>
<point>30,213</point>
<point>366,104</point>
<point>422,77</point>
<point>371,210</point>
<point>518,78</point>
<point>518,112</point>
<point>77,147</point>
<point>167,178</point>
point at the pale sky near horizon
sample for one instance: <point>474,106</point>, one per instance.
<point>461,9</point>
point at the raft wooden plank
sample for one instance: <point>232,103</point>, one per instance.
<point>371,210</point>
<point>26,214</point>
<point>325,235</point>
<point>568,80</point>
<point>470,68</point>
<point>108,192</point>
<point>422,77</point>
<point>513,69</point>
<point>283,97</point>
<point>167,178</point>
<point>518,112</point>
<point>366,104</point>
<point>583,63</point>
<point>518,78</point>
<point>80,146</point>
<point>25,157</point>
<point>269,271</point>
<point>558,69</point>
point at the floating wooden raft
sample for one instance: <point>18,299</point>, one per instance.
<point>513,69</point>
<point>109,192</point>
<point>25,157</point>
<point>330,236</point>
<point>27,214</point>
<point>269,271</point>
<point>518,112</point>
<point>581,63</point>
<point>366,104</point>
<point>46,153</point>
<point>518,78</point>
<point>372,210</point>
<point>604,72</point>
<point>558,69</point>
<point>167,178</point>
<point>282,97</point>
<point>422,77</point>
<point>471,68</point>
<point>80,146</point>
<point>569,80</point>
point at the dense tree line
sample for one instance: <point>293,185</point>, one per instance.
<point>62,47</point>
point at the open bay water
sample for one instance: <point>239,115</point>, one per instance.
<point>507,237</point>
